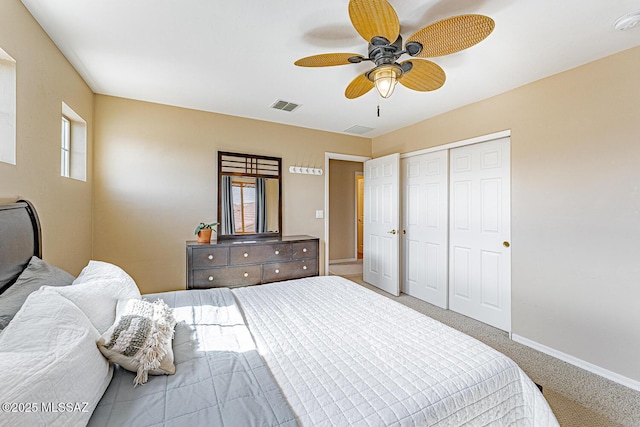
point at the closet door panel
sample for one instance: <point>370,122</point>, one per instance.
<point>425,222</point>
<point>480,257</point>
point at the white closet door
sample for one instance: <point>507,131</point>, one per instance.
<point>425,219</point>
<point>480,232</point>
<point>381,223</point>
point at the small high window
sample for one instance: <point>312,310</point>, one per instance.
<point>7,108</point>
<point>65,160</point>
<point>73,145</point>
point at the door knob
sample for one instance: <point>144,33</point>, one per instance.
<point>404,231</point>
<point>506,244</point>
<point>392,231</point>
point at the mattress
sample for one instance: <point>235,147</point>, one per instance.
<point>345,356</point>
<point>220,378</point>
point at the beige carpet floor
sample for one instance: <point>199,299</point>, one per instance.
<point>577,397</point>
<point>346,269</point>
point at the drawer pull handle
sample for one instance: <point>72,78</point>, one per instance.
<point>211,278</point>
<point>304,249</point>
<point>246,255</point>
<point>277,271</point>
<point>277,252</point>
<point>210,257</point>
<point>304,267</point>
<point>246,274</point>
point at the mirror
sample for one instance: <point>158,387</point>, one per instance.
<point>249,196</point>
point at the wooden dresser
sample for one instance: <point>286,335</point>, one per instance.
<point>232,263</point>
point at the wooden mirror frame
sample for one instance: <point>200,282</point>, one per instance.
<point>252,167</point>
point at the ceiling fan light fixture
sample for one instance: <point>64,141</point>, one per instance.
<point>385,77</point>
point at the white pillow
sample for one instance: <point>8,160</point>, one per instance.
<point>140,340</point>
<point>97,290</point>
<point>48,356</point>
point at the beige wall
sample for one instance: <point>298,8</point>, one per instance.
<point>44,80</point>
<point>156,179</point>
<point>342,209</point>
<point>575,155</point>
<point>575,193</point>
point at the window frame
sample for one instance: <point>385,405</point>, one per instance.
<point>65,155</point>
<point>8,109</point>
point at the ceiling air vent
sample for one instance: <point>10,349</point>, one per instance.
<point>358,130</point>
<point>285,106</point>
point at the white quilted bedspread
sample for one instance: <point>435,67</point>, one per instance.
<point>346,356</point>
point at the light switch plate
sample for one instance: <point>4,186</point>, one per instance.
<point>319,214</point>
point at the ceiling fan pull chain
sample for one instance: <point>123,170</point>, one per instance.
<point>378,108</point>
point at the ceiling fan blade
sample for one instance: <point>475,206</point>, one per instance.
<point>373,18</point>
<point>424,75</point>
<point>358,87</point>
<point>452,34</point>
<point>326,60</point>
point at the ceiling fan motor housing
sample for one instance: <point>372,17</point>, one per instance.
<point>385,54</point>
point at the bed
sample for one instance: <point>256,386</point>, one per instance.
<point>320,351</point>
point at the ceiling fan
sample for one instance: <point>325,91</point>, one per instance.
<point>377,22</point>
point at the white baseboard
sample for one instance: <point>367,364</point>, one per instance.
<point>620,379</point>
<point>342,261</point>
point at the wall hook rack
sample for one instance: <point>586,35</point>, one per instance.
<point>305,170</point>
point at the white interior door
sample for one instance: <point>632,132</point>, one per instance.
<point>480,232</point>
<point>360,213</point>
<point>425,213</point>
<point>381,223</point>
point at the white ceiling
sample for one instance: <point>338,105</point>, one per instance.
<point>236,57</point>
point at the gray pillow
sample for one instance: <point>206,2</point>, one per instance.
<point>37,274</point>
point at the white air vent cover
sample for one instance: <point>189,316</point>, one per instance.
<point>358,130</point>
<point>285,105</point>
<point>627,22</point>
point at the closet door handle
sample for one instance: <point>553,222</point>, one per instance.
<point>392,231</point>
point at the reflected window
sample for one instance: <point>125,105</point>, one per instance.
<point>244,206</point>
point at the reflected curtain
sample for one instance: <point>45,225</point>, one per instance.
<point>227,224</point>
<point>261,205</point>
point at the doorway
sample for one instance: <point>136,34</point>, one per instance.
<point>341,213</point>
<point>359,215</point>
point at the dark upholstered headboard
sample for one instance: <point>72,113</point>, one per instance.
<point>20,239</point>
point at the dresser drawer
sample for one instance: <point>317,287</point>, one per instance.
<point>305,249</point>
<point>277,271</point>
<point>230,276</point>
<point>230,263</point>
<point>250,254</point>
<point>209,257</point>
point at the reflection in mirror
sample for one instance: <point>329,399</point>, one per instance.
<point>255,205</point>
<point>249,195</point>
